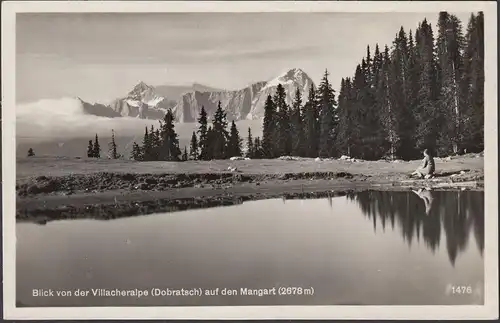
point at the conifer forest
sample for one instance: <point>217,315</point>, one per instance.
<point>423,91</point>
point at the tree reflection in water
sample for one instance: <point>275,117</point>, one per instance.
<point>423,214</point>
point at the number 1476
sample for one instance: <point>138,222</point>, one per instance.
<point>461,289</point>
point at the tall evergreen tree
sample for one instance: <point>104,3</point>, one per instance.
<point>429,120</point>
<point>113,154</point>
<point>328,117</point>
<point>269,127</point>
<point>283,138</point>
<point>220,134</point>
<point>185,154</point>
<point>473,84</point>
<point>400,132</point>
<point>450,47</point>
<point>411,92</point>
<point>193,149</point>
<point>146,146</point>
<point>297,125</point>
<point>96,151</point>
<point>250,144</point>
<point>202,133</point>
<point>368,135</point>
<point>170,150</point>
<point>154,144</point>
<point>348,132</point>
<point>90,149</point>
<point>234,142</point>
<point>311,124</point>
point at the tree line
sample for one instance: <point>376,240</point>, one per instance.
<point>423,92</point>
<point>215,141</point>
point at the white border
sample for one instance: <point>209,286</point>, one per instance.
<point>488,311</point>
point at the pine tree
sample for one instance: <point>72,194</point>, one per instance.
<point>411,92</point>
<point>383,105</point>
<point>357,119</point>
<point>328,117</point>
<point>146,146</point>
<point>450,46</point>
<point>401,134</point>
<point>311,124</point>
<point>348,126</point>
<point>185,154</point>
<point>220,134</point>
<point>250,145</point>
<point>297,125</point>
<point>170,150</point>
<point>234,142</point>
<point>136,152</point>
<point>473,84</point>
<point>31,152</point>
<point>193,149</point>
<point>268,129</point>
<point>96,151</point>
<point>202,133</point>
<point>428,118</point>
<point>376,144</point>
<point>283,138</point>
<point>113,154</point>
<point>368,136</point>
<point>154,144</point>
<point>90,149</point>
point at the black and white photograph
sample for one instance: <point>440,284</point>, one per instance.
<point>280,159</point>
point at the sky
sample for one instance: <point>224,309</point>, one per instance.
<point>101,56</point>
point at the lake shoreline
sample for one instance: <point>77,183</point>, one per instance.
<point>102,194</point>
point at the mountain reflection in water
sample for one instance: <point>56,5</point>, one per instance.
<point>425,214</point>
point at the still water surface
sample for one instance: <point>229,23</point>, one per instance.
<point>369,248</point>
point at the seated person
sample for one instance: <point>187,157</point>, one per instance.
<point>426,170</point>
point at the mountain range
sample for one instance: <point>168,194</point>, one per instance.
<point>148,102</point>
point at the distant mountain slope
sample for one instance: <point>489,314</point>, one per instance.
<point>247,103</point>
<point>174,92</point>
<point>236,104</point>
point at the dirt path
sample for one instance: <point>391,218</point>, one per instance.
<point>106,189</point>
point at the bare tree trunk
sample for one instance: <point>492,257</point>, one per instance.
<point>457,113</point>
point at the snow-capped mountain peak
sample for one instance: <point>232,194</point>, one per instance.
<point>291,76</point>
<point>140,88</point>
<point>143,93</point>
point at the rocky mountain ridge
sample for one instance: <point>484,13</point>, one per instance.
<point>147,102</point>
